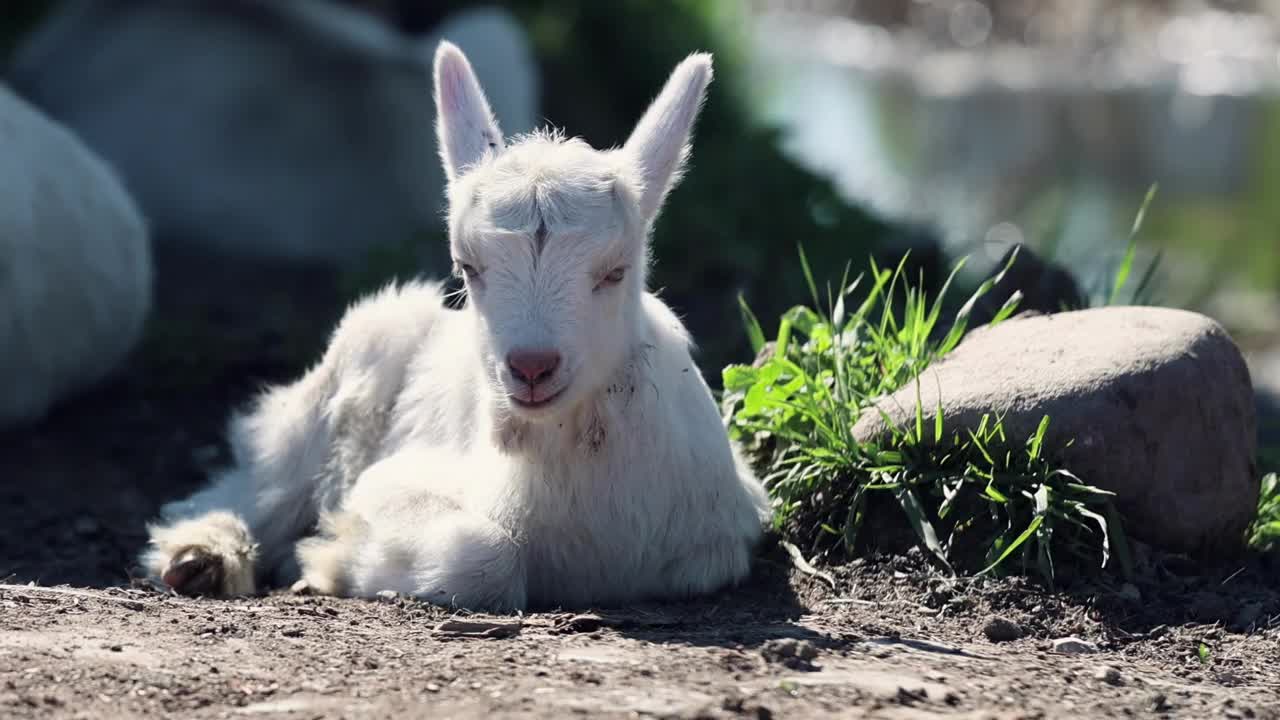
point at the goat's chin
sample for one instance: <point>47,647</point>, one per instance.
<point>539,407</point>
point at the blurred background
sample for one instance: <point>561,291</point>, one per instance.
<point>299,132</point>
<point>283,153</point>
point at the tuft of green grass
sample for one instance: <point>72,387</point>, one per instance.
<point>972,498</point>
<point>1203,653</point>
<point>1264,533</point>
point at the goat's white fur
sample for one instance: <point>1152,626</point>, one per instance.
<point>401,462</point>
<point>75,264</point>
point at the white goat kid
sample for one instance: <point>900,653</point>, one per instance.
<point>552,444</point>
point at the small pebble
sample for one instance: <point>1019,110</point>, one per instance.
<point>1108,675</point>
<point>1074,646</point>
<point>789,648</point>
<point>302,587</point>
<point>388,595</point>
<point>791,653</point>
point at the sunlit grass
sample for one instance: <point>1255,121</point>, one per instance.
<point>976,499</point>
<point>1264,533</point>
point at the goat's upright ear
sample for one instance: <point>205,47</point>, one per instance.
<point>659,145</point>
<point>465,124</point>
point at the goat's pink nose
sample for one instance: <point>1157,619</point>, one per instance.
<point>533,366</point>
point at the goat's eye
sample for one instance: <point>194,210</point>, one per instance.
<point>462,269</point>
<point>613,278</point>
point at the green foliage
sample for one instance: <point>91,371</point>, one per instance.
<point>972,498</point>
<point>1264,533</point>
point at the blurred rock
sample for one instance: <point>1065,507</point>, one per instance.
<point>75,265</point>
<point>1158,404</point>
<point>1046,287</point>
<point>295,130</point>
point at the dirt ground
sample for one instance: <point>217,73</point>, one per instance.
<point>881,638</point>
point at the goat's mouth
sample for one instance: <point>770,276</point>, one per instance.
<point>536,404</point>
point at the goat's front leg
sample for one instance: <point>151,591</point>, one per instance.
<point>410,526</point>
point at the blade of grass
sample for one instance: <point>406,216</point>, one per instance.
<point>754,333</point>
<point>1126,264</point>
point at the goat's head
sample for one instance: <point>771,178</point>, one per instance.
<point>551,235</point>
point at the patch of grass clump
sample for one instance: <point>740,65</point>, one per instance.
<point>976,499</point>
<point>1264,533</point>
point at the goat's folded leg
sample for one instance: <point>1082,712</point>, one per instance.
<point>407,533</point>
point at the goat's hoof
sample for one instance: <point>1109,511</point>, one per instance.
<point>195,571</point>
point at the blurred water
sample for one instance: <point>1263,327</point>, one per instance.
<point>1053,145</point>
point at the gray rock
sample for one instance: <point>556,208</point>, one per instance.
<point>1158,403</point>
<point>296,130</point>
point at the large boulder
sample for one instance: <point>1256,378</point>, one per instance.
<point>267,129</point>
<point>75,265</point>
<point>1158,402</point>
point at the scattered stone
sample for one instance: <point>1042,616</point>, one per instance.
<point>1157,405</point>
<point>433,687</point>
<point>478,628</point>
<point>302,587</point>
<point>790,652</point>
<point>1074,646</point>
<point>1108,675</point>
<point>388,595</point>
<point>1000,630</point>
